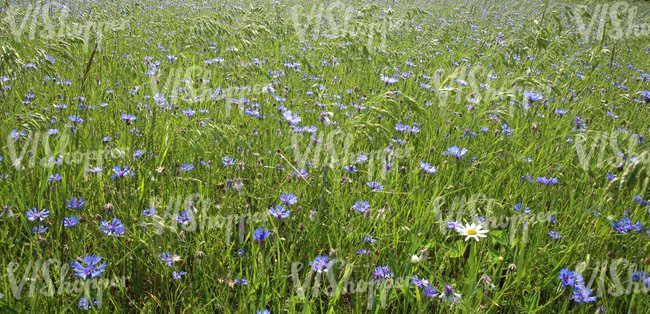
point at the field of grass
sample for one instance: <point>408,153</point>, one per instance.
<point>313,157</point>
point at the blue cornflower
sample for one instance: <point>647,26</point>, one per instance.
<point>361,206</point>
<point>184,218</point>
<point>148,212</point>
<point>168,258</point>
<point>261,234</point>
<point>454,225</point>
<point>33,214</point>
<point>381,272</point>
<point>419,282</point>
<point>128,118</point>
<point>279,212</point>
<point>582,294</point>
<point>431,292</point>
<point>449,294</point>
<point>40,229</point>
<point>74,203</point>
<point>363,252</point>
<point>227,161</point>
<point>376,186</point>
<point>70,221</point>
<point>241,281</point>
<point>369,239</point>
<point>555,235</point>
<point>321,264</point>
<point>625,225</point>
<point>55,177</point>
<point>427,167</point>
<point>610,176</point>
<point>567,277</point>
<point>288,198</point>
<point>177,276</point>
<point>119,173</point>
<point>532,97</point>
<point>547,181</point>
<point>388,80</point>
<point>91,269</point>
<point>85,304</point>
<point>138,153</point>
<point>264,311</point>
<point>187,167</point>
<point>455,151</point>
<point>75,119</point>
<point>115,227</point>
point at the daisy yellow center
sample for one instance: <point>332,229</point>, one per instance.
<point>471,231</point>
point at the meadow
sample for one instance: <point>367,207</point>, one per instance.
<point>452,156</point>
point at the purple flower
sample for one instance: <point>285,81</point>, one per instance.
<point>33,215</point>
<point>119,173</point>
<point>227,161</point>
<point>288,198</point>
<point>381,272</point>
<point>625,225</point>
<point>177,276</point>
<point>582,295</point>
<point>279,212</point>
<point>449,293</point>
<point>376,186</point>
<point>75,119</point>
<point>321,264</point>
<point>90,269</point>
<point>369,239</point>
<point>41,229</point>
<point>363,252</point>
<point>168,258</point>
<point>70,221</point>
<point>547,181</point>
<point>555,235</point>
<point>74,203</point>
<point>431,292</point>
<point>532,97</point>
<point>115,227</point>
<point>85,304</point>
<point>427,167</point>
<point>455,151</point>
<point>261,234</point>
<point>361,206</point>
<point>419,282</point>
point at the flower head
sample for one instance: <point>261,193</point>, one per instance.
<point>115,227</point>
<point>89,268</point>
<point>472,231</point>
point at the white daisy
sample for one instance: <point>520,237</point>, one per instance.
<point>472,231</point>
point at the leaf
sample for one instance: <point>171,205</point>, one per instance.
<point>458,249</point>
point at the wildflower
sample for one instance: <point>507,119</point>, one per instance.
<point>279,212</point>
<point>567,277</point>
<point>115,227</point>
<point>454,225</point>
<point>119,173</point>
<point>91,268</point>
<point>41,229</point>
<point>241,281</point>
<point>33,215</point>
<point>415,259</point>
<point>74,203</point>
<point>55,177</point>
<point>555,235</point>
<point>76,119</point>
<point>381,272</point>
<point>455,151</point>
<point>6,211</point>
<point>388,80</point>
<point>148,212</point>
<point>264,311</point>
<point>582,294</point>
<point>227,161</point>
<point>70,221</point>
<point>177,276</point>
<point>472,231</point>
<point>288,198</point>
<point>369,239</point>
<point>376,186</point>
<point>85,304</point>
<point>449,293</point>
<point>321,264</point>
<point>168,258</point>
<point>184,218</point>
<point>547,181</point>
<point>532,97</point>
<point>431,292</point>
<point>419,282</point>
<point>261,234</point>
<point>610,177</point>
<point>361,206</point>
<point>363,252</point>
<point>427,167</point>
<point>625,225</point>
